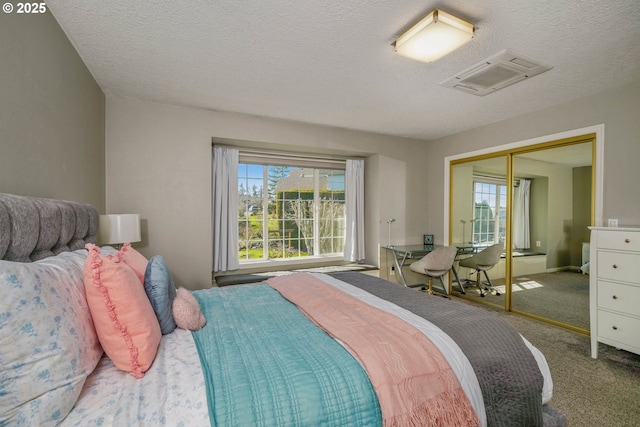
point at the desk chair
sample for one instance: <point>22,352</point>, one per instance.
<point>483,261</point>
<point>435,265</point>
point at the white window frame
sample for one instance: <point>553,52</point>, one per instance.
<point>269,159</point>
<point>500,185</point>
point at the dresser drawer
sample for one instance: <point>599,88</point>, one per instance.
<point>620,240</point>
<point>618,266</point>
<point>619,297</point>
<point>619,328</point>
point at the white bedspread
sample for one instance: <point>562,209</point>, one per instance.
<point>171,393</point>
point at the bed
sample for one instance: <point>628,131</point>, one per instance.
<point>301,349</point>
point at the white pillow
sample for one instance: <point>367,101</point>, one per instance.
<point>48,345</point>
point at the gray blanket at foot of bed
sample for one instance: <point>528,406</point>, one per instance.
<point>508,373</point>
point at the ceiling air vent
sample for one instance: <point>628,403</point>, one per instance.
<point>494,73</point>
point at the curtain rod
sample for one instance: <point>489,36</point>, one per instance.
<point>292,157</point>
<point>276,154</point>
<point>516,180</point>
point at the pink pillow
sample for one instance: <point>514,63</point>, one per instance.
<point>126,324</point>
<point>133,259</point>
<point>186,311</point>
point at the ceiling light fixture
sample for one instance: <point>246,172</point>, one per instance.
<point>434,36</point>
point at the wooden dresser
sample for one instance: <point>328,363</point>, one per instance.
<point>614,285</point>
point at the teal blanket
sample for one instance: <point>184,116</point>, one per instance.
<point>266,364</point>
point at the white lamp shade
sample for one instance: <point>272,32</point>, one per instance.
<point>120,228</point>
<point>436,35</point>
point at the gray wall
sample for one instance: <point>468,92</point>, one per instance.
<point>51,114</point>
<point>159,165</point>
<point>158,157</point>
<point>539,224</point>
<point>617,109</point>
<point>581,212</point>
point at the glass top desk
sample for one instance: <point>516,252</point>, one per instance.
<point>471,248</point>
<point>402,253</point>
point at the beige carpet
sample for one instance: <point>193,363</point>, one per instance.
<point>591,392</point>
<point>562,296</point>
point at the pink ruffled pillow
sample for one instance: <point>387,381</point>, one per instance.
<point>125,322</point>
<point>133,259</point>
<point>186,311</point>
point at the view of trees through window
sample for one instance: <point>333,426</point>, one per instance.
<point>289,211</point>
<point>490,212</point>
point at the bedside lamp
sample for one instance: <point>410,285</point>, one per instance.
<point>119,228</point>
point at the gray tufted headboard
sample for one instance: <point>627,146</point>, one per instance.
<point>33,228</point>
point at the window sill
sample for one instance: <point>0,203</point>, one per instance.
<point>289,264</point>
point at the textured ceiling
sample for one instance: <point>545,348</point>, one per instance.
<point>331,62</point>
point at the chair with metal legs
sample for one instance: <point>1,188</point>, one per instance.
<point>481,262</point>
<point>436,264</point>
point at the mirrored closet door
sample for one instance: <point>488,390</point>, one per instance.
<point>551,213</point>
<point>478,221</point>
<point>538,203</point>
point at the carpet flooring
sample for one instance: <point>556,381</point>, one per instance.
<point>562,296</point>
<point>591,392</point>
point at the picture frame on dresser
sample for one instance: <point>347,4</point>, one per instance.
<point>614,288</point>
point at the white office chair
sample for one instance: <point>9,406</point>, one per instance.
<point>435,265</point>
<point>483,261</point>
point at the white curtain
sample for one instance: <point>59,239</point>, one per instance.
<point>225,209</point>
<point>354,207</point>
<point>521,238</point>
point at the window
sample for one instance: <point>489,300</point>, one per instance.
<point>489,211</point>
<point>289,211</point>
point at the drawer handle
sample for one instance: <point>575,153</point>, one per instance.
<point>627,240</point>
<point>615,297</point>
<point>615,266</point>
<point>615,328</point>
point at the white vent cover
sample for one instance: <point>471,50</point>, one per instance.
<point>494,73</point>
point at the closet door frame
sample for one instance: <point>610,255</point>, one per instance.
<point>595,134</point>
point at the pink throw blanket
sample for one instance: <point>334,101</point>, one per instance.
<point>414,382</point>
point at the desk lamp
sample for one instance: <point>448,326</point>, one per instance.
<point>389,222</point>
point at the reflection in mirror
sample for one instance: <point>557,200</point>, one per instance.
<point>478,221</point>
<point>551,210</point>
<point>551,213</point>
